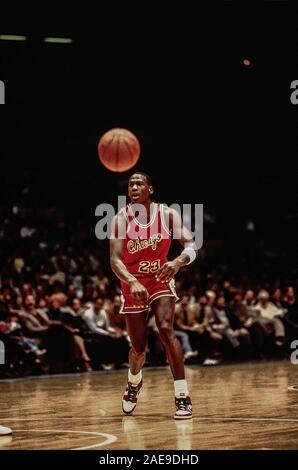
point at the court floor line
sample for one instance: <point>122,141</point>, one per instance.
<point>109,438</point>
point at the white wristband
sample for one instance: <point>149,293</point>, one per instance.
<point>190,252</point>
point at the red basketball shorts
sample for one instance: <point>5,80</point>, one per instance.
<point>155,289</point>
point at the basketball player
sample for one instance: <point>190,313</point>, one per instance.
<point>5,431</point>
<point>140,241</point>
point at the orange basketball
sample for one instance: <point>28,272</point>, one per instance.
<point>118,150</point>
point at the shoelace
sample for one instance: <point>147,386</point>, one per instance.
<point>132,391</point>
<point>181,404</point>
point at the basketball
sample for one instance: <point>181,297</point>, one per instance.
<point>118,150</point>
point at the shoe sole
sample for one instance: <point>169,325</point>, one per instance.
<point>182,417</point>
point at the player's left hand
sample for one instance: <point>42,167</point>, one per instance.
<point>167,271</point>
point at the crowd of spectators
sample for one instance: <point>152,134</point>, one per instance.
<point>59,303</point>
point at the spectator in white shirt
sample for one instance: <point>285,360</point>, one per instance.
<point>269,317</point>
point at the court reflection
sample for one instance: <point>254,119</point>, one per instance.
<point>133,433</point>
<point>140,433</point>
<point>5,440</point>
<point>184,434</point>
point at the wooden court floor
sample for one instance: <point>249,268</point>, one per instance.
<point>240,406</point>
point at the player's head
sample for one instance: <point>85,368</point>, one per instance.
<point>140,187</point>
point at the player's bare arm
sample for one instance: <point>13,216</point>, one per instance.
<point>137,290</point>
<point>183,235</point>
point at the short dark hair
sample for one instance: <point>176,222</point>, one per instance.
<point>148,178</point>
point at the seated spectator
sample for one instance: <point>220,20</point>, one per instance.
<point>186,328</point>
<point>210,352</point>
<point>193,319</point>
<point>57,339</point>
<point>270,317</point>
<point>69,320</point>
<point>96,318</point>
<point>277,298</point>
<point>222,324</point>
<point>98,322</point>
<point>290,306</point>
<point>183,337</point>
<point>34,321</point>
<point>14,330</point>
<point>21,352</point>
<point>244,317</point>
<point>250,299</point>
<point>77,307</point>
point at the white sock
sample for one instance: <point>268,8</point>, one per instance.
<point>135,379</point>
<point>181,388</point>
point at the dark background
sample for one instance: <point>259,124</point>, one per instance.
<point>212,130</point>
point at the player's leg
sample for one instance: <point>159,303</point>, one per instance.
<point>136,324</point>
<point>164,310</point>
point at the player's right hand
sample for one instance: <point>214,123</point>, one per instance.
<point>139,294</point>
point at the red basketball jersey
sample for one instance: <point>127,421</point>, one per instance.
<point>146,246</point>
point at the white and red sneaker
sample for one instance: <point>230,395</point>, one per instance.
<point>183,408</point>
<point>130,397</point>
